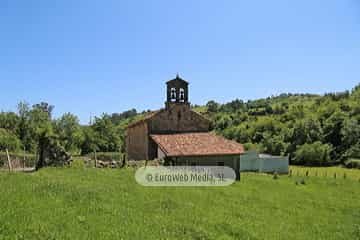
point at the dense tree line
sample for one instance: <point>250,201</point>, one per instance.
<point>311,129</point>
<point>34,130</point>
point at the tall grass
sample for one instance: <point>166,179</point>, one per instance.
<point>325,172</point>
<point>87,203</point>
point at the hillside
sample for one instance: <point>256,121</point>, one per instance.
<point>311,129</point>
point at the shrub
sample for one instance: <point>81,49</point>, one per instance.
<point>51,152</point>
<point>251,146</point>
<point>313,154</point>
<point>353,163</point>
<point>78,163</point>
<point>274,145</point>
<point>275,176</point>
<point>8,141</point>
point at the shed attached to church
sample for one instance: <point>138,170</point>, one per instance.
<point>180,135</point>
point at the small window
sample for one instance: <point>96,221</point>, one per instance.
<point>193,164</point>
<point>182,95</point>
<point>173,94</point>
<point>221,164</point>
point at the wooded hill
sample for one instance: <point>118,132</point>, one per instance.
<point>312,129</point>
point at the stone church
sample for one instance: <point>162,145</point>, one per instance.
<point>180,134</point>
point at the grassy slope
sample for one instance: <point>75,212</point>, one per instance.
<point>108,204</point>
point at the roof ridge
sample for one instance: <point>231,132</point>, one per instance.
<point>145,118</point>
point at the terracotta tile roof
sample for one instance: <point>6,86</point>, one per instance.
<point>196,144</point>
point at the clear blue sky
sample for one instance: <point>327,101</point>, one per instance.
<point>110,56</point>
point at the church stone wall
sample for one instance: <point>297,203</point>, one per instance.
<point>137,142</point>
<point>177,119</point>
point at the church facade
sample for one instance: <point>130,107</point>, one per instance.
<point>176,117</point>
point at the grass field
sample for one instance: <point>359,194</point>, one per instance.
<point>67,203</point>
<point>326,172</point>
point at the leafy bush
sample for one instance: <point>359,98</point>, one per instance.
<point>8,141</point>
<point>51,152</point>
<point>353,163</point>
<point>212,106</point>
<point>78,163</point>
<point>251,146</point>
<point>316,153</point>
<point>353,151</point>
<point>274,145</point>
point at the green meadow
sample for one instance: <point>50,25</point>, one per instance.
<point>86,203</point>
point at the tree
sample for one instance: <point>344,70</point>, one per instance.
<point>333,132</point>
<point>315,153</point>
<point>89,144</point>
<point>24,131</point>
<point>116,118</point>
<point>306,130</point>
<point>296,112</point>
<point>222,121</point>
<point>355,93</point>
<point>233,106</point>
<point>351,138</point>
<point>350,132</point>
<point>9,141</point>
<point>51,152</point>
<point>69,132</point>
<point>107,138</point>
<point>274,145</point>
<point>352,152</point>
<point>212,106</point>
<point>9,121</point>
<point>264,125</point>
<point>44,107</point>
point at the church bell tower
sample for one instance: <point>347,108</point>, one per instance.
<point>177,92</point>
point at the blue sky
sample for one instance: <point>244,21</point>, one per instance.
<point>109,56</point>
